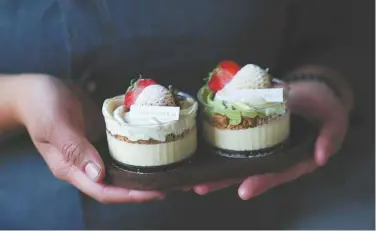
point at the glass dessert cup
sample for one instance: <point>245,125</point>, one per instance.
<point>239,132</point>
<point>151,145</point>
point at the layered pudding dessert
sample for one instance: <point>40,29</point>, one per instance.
<point>243,110</point>
<point>150,125</point>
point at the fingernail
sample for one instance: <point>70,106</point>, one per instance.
<point>202,190</point>
<point>243,194</point>
<point>323,162</point>
<point>321,159</point>
<point>92,171</point>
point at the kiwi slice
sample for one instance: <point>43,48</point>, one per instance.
<point>275,110</point>
<point>235,111</point>
<point>242,106</point>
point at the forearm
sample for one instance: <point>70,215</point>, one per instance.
<point>8,95</point>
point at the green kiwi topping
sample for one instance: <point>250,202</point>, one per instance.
<point>236,111</point>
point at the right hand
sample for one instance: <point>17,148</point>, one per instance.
<point>54,119</point>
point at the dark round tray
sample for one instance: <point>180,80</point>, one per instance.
<point>207,166</point>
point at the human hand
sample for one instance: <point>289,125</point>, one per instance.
<point>54,119</point>
<point>311,100</point>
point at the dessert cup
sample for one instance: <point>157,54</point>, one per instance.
<point>239,132</point>
<point>151,143</point>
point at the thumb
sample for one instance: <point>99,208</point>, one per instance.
<point>325,143</point>
<point>77,151</point>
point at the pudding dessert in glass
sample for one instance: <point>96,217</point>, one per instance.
<point>243,111</point>
<point>150,125</point>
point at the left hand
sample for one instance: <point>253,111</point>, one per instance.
<point>56,120</point>
<point>311,100</point>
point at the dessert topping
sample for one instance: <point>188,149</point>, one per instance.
<point>248,94</point>
<point>146,92</point>
<point>148,102</point>
<point>222,74</point>
<point>251,85</point>
<point>249,77</point>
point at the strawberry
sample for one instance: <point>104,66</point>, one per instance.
<point>134,90</point>
<point>222,74</point>
<point>156,95</point>
<point>250,76</point>
<point>146,92</point>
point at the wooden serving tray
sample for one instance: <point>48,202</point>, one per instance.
<point>207,166</point>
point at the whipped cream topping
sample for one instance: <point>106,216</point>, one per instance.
<point>155,95</point>
<point>248,77</point>
<point>125,124</point>
<point>242,85</point>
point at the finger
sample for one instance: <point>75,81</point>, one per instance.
<point>206,188</point>
<point>256,185</point>
<point>100,192</point>
<point>78,151</point>
<point>330,137</point>
<point>109,194</point>
<point>323,144</point>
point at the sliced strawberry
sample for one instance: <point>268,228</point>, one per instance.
<point>135,88</point>
<point>142,83</point>
<point>222,74</point>
<point>230,66</point>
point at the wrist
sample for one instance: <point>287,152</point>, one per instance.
<point>324,76</point>
<point>29,90</point>
<point>314,100</point>
<point>9,100</point>
<point>20,89</point>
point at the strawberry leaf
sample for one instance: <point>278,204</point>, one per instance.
<point>207,78</point>
<point>133,83</point>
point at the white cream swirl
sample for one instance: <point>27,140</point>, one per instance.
<point>119,123</point>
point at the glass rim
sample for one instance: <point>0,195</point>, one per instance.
<point>275,81</point>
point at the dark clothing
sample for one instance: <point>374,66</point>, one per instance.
<point>175,41</point>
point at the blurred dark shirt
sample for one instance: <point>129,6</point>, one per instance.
<point>106,43</point>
